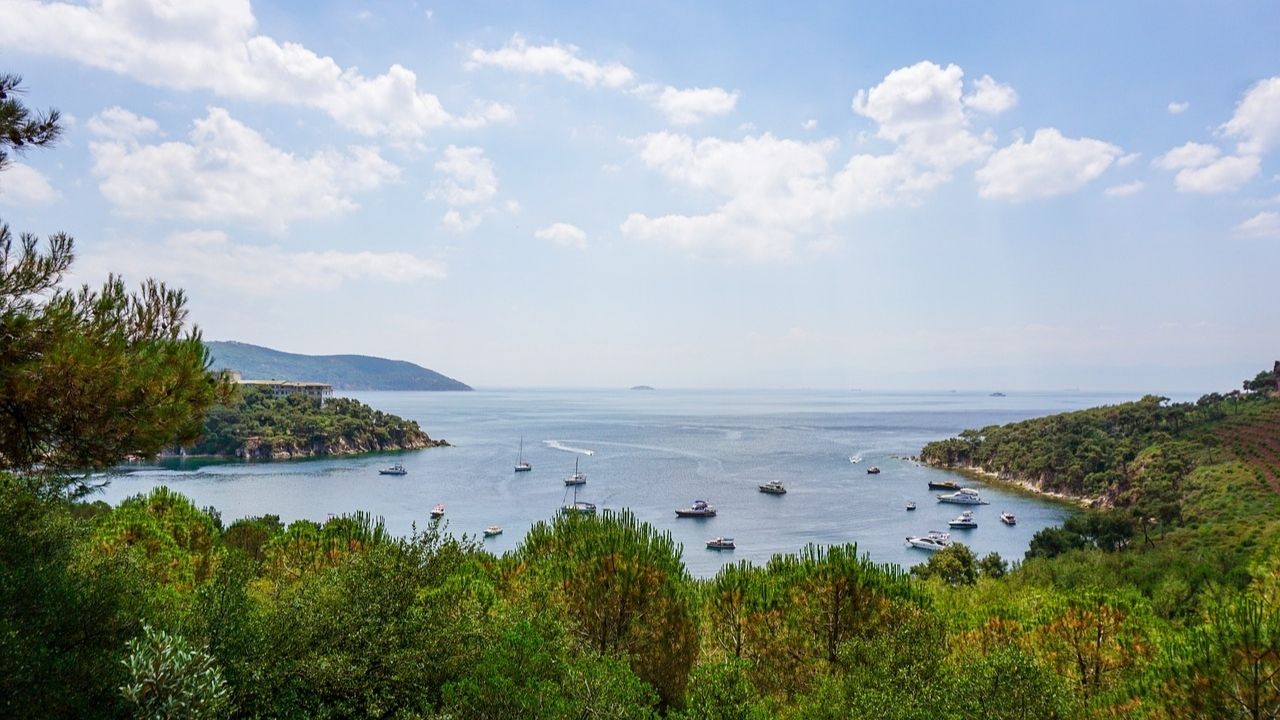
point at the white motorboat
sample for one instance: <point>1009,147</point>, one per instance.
<point>396,469</point>
<point>911,504</point>
<point>700,508</point>
<point>933,541</point>
<point>720,543</point>
<point>963,496</point>
<point>493,531</point>
<point>964,521</point>
<point>438,510</point>
<point>773,487</point>
<point>578,477</point>
<point>1008,519</point>
<point>873,470</point>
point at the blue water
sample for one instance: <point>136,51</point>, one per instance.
<point>653,452</point>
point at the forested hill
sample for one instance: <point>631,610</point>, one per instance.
<point>343,372</point>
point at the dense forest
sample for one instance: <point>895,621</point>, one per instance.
<point>1162,603</point>
<point>254,424</point>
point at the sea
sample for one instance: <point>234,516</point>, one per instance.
<point>652,451</point>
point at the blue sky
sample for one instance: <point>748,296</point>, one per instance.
<point>741,195</point>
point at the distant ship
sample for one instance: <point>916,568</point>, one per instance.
<point>997,394</point>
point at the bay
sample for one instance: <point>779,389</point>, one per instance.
<point>651,452</point>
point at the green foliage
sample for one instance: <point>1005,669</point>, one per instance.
<point>955,565</point>
<point>20,128</point>
<point>171,680</point>
<point>724,691</point>
<point>255,423</point>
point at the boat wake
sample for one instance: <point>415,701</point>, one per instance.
<point>557,445</point>
<point>855,459</point>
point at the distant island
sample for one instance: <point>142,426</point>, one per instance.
<point>343,372</point>
<point>259,425</point>
<point>642,387</point>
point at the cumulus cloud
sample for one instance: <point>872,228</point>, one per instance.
<point>681,106</point>
<point>24,185</point>
<point>1262,225</point>
<point>991,97</point>
<point>227,172</point>
<point>1190,155</point>
<point>564,235</point>
<point>1177,108</point>
<point>1126,189</point>
<point>469,181</point>
<point>209,256</point>
<point>555,59</point>
<point>686,107</point>
<point>212,45</point>
<point>116,123</point>
<point>1256,121</point>
<point>1222,175</point>
<point>810,124</point>
<point>1051,164</point>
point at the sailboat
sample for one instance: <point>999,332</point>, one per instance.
<point>521,465</point>
<point>580,507</point>
<point>578,477</point>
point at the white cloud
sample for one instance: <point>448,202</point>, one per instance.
<point>1050,164</point>
<point>211,257</point>
<point>227,172</point>
<point>555,59</point>
<point>211,45</point>
<point>809,124</point>
<point>1190,155</point>
<point>1177,108</point>
<point>458,222</point>
<point>1126,189</point>
<point>686,107</point>
<point>1256,122</point>
<point>1222,175</point>
<point>24,185</point>
<point>920,109</point>
<point>469,176</point>
<point>991,97</point>
<point>116,123</point>
<point>1262,225</point>
<point>564,235</point>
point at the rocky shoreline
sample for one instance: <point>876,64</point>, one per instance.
<point>256,449</point>
<point>1035,487</point>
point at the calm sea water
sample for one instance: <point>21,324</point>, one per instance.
<point>653,452</point>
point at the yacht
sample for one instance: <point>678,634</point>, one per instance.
<point>911,504</point>
<point>438,510</point>
<point>944,485</point>
<point>493,531</point>
<point>578,507</point>
<point>578,477</point>
<point>932,542</point>
<point>1008,519</point>
<point>773,487</point>
<point>873,470</point>
<point>963,496</point>
<point>700,508</point>
<point>720,543</point>
<point>964,521</point>
<point>521,465</point>
<point>396,469</point>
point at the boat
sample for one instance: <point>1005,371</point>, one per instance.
<point>396,469</point>
<point>773,487</point>
<point>699,508</point>
<point>933,541</point>
<point>944,485</point>
<point>493,531</point>
<point>1008,519</point>
<point>873,470</point>
<point>578,507</point>
<point>911,504</point>
<point>997,394</point>
<point>438,510</point>
<point>521,465</point>
<point>964,521</point>
<point>720,543</point>
<point>578,477</point>
<point>963,496</point>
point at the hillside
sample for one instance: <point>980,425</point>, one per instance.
<point>343,372</point>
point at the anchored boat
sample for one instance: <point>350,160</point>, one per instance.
<point>720,543</point>
<point>578,477</point>
<point>963,496</point>
<point>1008,519</point>
<point>521,465</point>
<point>964,521</point>
<point>396,469</point>
<point>700,508</point>
<point>438,510</point>
<point>773,487</point>
<point>932,542</point>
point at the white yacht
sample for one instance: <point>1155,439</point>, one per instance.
<point>700,508</point>
<point>964,521</point>
<point>963,496</point>
<point>932,542</point>
<point>492,531</point>
<point>773,487</point>
<point>1008,519</point>
<point>720,543</point>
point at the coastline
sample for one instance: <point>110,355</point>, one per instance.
<point>1031,488</point>
<point>253,451</point>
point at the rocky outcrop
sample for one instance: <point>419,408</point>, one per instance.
<point>259,449</point>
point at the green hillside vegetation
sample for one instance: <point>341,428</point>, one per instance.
<point>343,372</point>
<point>254,424</point>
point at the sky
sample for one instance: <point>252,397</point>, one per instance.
<point>725,194</point>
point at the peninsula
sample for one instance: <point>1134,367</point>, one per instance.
<point>343,372</point>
